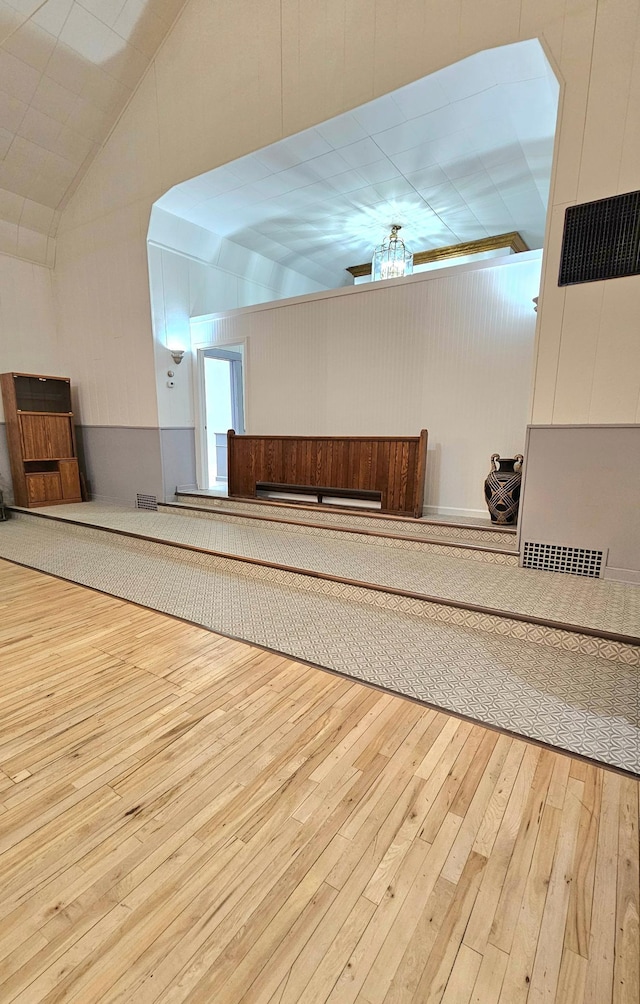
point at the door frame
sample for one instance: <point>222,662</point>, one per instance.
<point>234,351</point>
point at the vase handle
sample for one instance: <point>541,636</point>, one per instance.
<point>494,457</point>
<point>519,460</point>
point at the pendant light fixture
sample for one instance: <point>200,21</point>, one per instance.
<point>391,260</point>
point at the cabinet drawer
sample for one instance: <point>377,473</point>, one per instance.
<point>42,488</point>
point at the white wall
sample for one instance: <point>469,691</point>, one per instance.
<point>232,78</point>
<point>450,351</point>
<point>102,295</point>
<point>28,333</point>
<point>193,272</point>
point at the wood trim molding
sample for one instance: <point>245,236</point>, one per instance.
<point>513,241</point>
<point>40,376</point>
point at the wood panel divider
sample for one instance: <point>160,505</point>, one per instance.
<point>393,467</point>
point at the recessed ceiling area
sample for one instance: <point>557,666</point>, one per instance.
<point>462,154</point>
<point>67,70</point>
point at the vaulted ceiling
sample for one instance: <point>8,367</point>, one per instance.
<point>67,69</point>
<point>462,154</point>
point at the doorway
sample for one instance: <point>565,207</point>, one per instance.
<point>224,408</point>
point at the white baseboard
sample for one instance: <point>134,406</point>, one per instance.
<point>434,510</point>
<point>631,575</point>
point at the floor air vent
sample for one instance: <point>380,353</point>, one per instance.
<point>146,502</point>
<point>557,558</point>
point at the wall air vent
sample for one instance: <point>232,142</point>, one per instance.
<point>146,501</point>
<point>601,240</point>
<point>558,558</point>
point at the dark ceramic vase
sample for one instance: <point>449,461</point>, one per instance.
<point>502,488</point>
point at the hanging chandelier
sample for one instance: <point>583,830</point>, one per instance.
<point>391,260</point>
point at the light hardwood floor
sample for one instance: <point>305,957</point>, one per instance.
<point>188,818</point>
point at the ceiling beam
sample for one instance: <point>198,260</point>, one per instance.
<point>513,241</point>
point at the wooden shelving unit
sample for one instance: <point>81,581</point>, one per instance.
<point>41,439</point>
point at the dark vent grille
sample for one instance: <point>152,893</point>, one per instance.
<point>146,501</point>
<point>601,240</point>
<point>557,558</point>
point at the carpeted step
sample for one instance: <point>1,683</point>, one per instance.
<point>502,539</point>
<point>583,615</point>
<point>576,690</point>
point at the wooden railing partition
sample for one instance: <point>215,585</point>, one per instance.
<point>393,466</point>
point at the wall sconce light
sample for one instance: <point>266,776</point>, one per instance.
<point>177,355</point>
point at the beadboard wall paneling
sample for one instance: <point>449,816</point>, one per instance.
<point>28,332</point>
<point>184,284</point>
<point>101,285</point>
<point>449,351</point>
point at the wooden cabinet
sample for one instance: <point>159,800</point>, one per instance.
<point>41,438</point>
<point>46,437</point>
<point>43,489</point>
<point>69,480</point>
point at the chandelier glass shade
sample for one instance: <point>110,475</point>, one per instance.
<point>391,260</point>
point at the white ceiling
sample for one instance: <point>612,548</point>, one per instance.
<point>67,69</point>
<point>462,154</point>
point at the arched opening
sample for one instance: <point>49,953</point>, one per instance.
<point>463,155</point>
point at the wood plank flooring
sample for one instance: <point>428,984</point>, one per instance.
<point>187,818</point>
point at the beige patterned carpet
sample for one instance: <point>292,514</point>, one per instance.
<point>570,699</point>
<point>472,532</point>
<point>429,569</point>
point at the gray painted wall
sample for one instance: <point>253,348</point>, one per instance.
<point>582,488</point>
<point>178,449</point>
<point>119,461</point>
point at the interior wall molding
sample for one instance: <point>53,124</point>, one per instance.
<point>183,254</point>
<point>34,261</point>
<point>513,241</point>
